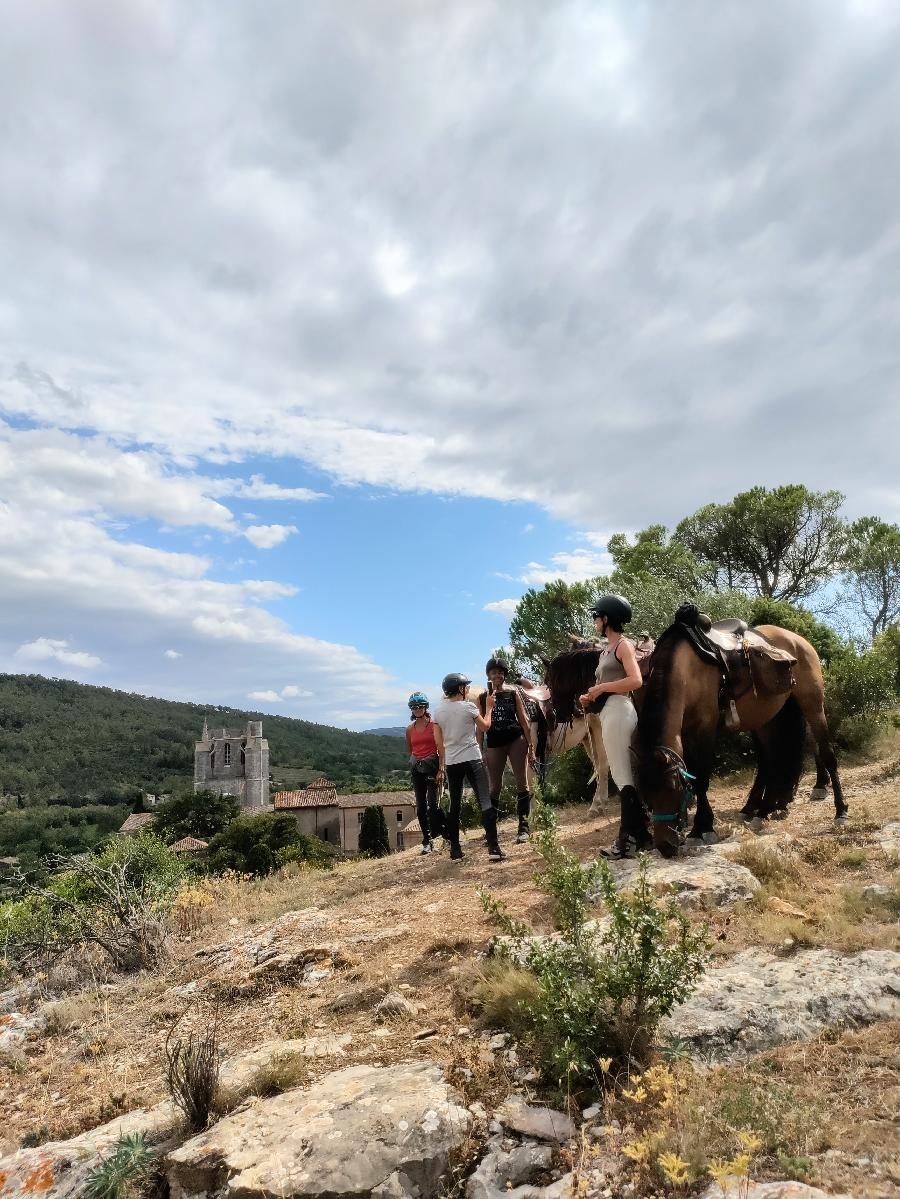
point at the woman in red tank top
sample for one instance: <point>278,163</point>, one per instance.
<point>424,742</point>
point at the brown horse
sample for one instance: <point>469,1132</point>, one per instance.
<point>680,717</point>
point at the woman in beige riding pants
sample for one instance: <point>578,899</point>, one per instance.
<point>618,675</point>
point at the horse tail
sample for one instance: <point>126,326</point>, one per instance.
<point>784,760</point>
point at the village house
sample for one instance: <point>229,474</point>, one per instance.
<point>320,812</point>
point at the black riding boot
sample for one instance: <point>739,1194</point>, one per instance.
<point>523,808</point>
<point>489,820</point>
<point>634,826</point>
<point>639,821</point>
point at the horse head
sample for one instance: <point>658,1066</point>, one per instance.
<point>569,674</point>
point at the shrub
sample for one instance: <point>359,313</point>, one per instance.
<point>602,990</point>
<point>250,844</point>
<point>192,1073</point>
<point>373,833</point>
<point>117,898</point>
<point>308,851</point>
<point>123,1172</point>
<point>860,690</point>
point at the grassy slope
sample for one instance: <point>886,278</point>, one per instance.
<point>838,1091</point>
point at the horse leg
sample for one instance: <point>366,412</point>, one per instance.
<point>826,763</point>
<point>823,779</point>
<point>758,790</point>
<point>699,752</point>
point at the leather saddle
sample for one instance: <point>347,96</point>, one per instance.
<point>746,660</point>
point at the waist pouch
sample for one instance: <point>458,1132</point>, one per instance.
<point>428,766</point>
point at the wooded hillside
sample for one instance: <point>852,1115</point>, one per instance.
<point>70,743</point>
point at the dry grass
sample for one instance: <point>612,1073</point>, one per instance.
<point>497,991</point>
<point>92,1069</point>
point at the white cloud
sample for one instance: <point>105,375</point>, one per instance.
<point>506,607</point>
<point>46,649</point>
<point>172,653</point>
<point>573,566</point>
<point>333,293</point>
<point>264,537</point>
<point>272,696</point>
<point>258,489</point>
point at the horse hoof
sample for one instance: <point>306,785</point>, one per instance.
<point>818,793</point>
<point>842,819</point>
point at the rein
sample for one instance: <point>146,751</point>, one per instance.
<point>675,764</point>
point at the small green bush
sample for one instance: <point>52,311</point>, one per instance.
<point>117,898</point>
<point>602,991</point>
<point>122,1173</point>
<point>251,844</point>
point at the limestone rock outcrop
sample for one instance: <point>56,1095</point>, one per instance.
<point>362,1131</point>
<point>757,1000</point>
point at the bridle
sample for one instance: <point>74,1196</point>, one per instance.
<point>675,766</point>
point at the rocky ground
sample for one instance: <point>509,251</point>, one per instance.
<point>348,993</point>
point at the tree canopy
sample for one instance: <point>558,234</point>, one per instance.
<point>873,573</point>
<point>199,814</point>
<point>781,543</point>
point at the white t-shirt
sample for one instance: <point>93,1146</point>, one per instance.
<point>457,722</point>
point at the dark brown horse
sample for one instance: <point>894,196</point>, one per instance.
<point>680,717</point>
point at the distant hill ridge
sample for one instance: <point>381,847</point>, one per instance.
<point>73,743</point>
<point>395,730</point>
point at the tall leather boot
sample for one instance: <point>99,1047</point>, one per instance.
<point>523,808</point>
<point>489,820</point>
<point>638,823</point>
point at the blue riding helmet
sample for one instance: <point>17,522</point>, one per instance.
<point>417,699</point>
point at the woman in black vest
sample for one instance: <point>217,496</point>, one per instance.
<point>508,740</point>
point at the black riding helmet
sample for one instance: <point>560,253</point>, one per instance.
<point>496,664</point>
<point>615,608</point>
<point>453,682</point>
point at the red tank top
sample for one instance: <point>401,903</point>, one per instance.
<point>423,742</point>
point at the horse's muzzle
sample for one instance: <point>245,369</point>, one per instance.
<point>665,839</point>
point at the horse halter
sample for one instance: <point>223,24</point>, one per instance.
<point>675,765</point>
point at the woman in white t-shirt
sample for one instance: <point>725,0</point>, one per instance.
<point>459,721</point>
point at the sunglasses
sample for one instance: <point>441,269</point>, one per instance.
<point>419,707</point>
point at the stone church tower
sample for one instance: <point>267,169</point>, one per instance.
<point>234,762</point>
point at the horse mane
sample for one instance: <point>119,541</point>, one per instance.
<point>653,707</point>
<point>569,674</point>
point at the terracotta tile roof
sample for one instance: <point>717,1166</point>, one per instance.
<point>386,799</point>
<point>137,820</point>
<point>319,794</point>
<point>188,845</point>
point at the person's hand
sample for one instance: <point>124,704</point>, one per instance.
<point>491,700</point>
<point>589,696</point>
<point>531,756</point>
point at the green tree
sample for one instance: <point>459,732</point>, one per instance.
<point>200,814</point>
<point>873,573</point>
<point>545,617</point>
<point>250,844</point>
<point>373,833</point>
<point>654,554</point>
<point>827,644</point>
<point>782,543</point>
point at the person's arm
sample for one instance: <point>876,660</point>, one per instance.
<point>483,723</point>
<point>409,738</point>
<point>632,682</point>
<point>439,742</point>
<point>524,723</point>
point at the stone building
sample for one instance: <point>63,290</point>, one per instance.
<point>320,812</point>
<point>234,762</point>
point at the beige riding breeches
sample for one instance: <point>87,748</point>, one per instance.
<point>618,720</point>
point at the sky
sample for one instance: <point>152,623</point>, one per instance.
<point>327,329</point>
